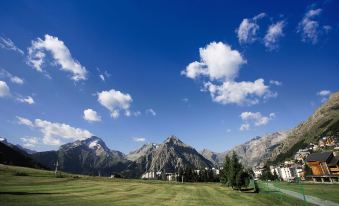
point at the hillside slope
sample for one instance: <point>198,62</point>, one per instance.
<point>90,156</point>
<point>252,152</point>
<point>14,156</point>
<point>324,121</point>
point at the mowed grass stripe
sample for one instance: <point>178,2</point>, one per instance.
<point>48,190</point>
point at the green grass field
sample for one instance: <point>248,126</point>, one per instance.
<point>323,191</point>
<point>42,188</point>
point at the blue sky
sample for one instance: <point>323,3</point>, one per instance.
<point>213,73</point>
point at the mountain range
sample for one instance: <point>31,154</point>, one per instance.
<point>92,156</point>
<point>251,153</point>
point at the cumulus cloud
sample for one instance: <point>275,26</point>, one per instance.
<point>248,28</point>
<point>14,79</point>
<point>221,65</point>
<point>218,61</point>
<point>115,101</point>
<point>324,94</point>
<point>139,139</point>
<point>29,141</point>
<point>8,44</point>
<point>241,93</point>
<point>255,118</point>
<point>53,132</point>
<point>24,121</point>
<point>4,89</point>
<point>91,116</point>
<point>151,112</point>
<point>28,100</point>
<point>60,54</point>
<point>309,28</point>
<point>274,32</point>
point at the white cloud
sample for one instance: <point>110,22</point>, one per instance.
<point>256,118</point>
<point>274,32</point>
<point>241,93</point>
<point>185,100</point>
<point>8,44</point>
<point>115,101</point>
<point>4,89</point>
<point>115,114</point>
<point>17,80</point>
<point>324,93</point>
<point>14,79</point>
<point>218,61</point>
<point>221,65</point>
<point>308,27</point>
<point>276,83</point>
<point>61,56</point>
<point>29,141</point>
<point>54,132</point>
<point>28,100</point>
<point>139,139</point>
<point>24,121</point>
<point>103,75</point>
<point>248,29</point>
<point>245,127</point>
<point>151,112</point>
<point>128,113</point>
<point>91,116</point>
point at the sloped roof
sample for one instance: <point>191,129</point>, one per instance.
<point>334,161</point>
<point>319,157</point>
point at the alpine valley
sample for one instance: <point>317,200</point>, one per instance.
<point>92,157</point>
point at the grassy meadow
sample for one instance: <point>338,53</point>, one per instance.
<point>25,186</point>
<point>323,191</point>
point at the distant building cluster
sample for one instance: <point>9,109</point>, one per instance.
<point>177,176</point>
<point>321,159</point>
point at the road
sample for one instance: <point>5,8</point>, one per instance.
<point>310,199</point>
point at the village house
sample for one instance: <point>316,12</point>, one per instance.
<point>324,166</point>
<point>288,171</point>
<point>258,171</point>
<point>302,154</point>
<point>328,141</point>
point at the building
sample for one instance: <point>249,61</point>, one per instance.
<point>328,141</point>
<point>171,176</point>
<point>149,175</point>
<point>301,155</point>
<point>324,166</point>
<point>288,171</point>
<point>258,172</point>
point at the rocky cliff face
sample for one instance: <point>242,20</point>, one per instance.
<point>252,152</point>
<point>92,156</point>
<point>89,156</point>
<point>142,151</point>
<point>173,154</point>
<point>324,121</point>
<point>169,156</point>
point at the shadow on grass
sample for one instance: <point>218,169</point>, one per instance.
<point>28,193</point>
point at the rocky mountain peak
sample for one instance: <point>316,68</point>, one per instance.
<point>93,143</point>
<point>173,140</point>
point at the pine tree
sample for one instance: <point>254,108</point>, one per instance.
<point>225,171</point>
